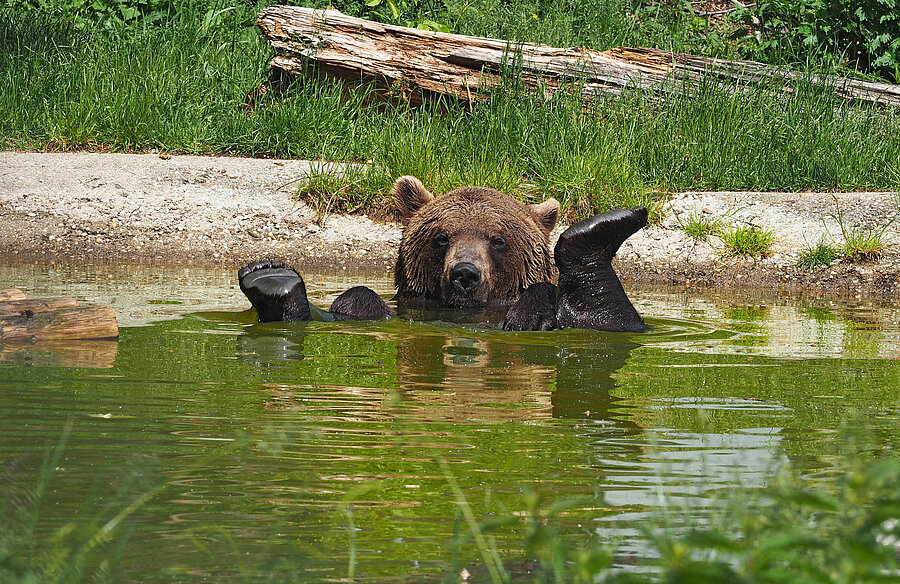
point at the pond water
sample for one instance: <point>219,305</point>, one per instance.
<point>325,450</point>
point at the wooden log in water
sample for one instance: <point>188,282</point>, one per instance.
<point>419,64</point>
<point>16,307</point>
<point>11,294</point>
<point>72,323</point>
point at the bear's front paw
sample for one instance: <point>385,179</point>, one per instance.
<point>534,311</point>
<point>360,303</point>
<point>276,291</point>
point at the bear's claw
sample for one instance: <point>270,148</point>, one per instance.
<point>534,311</point>
<point>276,291</point>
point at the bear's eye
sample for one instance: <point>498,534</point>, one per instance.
<point>441,240</point>
<point>498,243</point>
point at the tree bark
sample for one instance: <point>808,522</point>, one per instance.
<point>17,307</point>
<point>418,64</point>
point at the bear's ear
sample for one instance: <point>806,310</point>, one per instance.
<point>545,213</point>
<point>410,195</point>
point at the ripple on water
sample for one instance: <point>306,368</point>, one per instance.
<point>275,439</point>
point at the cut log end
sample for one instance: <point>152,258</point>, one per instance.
<point>55,319</point>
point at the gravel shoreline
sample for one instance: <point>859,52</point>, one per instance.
<point>200,210</point>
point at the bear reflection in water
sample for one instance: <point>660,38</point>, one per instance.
<point>476,248</point>
<point>444,372</point>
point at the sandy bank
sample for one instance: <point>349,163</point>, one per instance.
<point>197,210</point>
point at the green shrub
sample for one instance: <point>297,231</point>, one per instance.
<point>864,34</point>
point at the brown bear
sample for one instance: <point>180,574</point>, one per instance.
<point>476,247</point>
<point>472,246</point>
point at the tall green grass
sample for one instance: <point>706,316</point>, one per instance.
<point>181,85</point>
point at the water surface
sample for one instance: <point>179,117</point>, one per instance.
<point>288,448</point>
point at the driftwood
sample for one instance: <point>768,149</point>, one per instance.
<point>421,64</point>
<point>54,319</point>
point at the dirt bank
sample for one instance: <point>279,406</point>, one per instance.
<point>190,210</point>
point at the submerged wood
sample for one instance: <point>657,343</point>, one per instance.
<point>418,64</point>
<point>55,319</point>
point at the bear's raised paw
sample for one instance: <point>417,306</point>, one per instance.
<point>276,291</point>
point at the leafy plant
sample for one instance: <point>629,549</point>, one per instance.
<point>403,13</point>
<point>113,15</point>
<point>747,241</point>
<point>862,33</point>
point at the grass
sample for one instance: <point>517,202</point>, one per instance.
<point>839,524</point>
<point>844,528</point>
<point>180,86</point>
<point>861,244</point>
<point>749,241</point>
<point>818,256</point>
<point>700,226</point>
<point>85,548</point>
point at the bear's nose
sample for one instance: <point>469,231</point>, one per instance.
<point>465,276</point>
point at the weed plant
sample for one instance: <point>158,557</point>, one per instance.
<point>818,256</point>
<point>700,226</point>
<point>842,529</point>
<point>749,241</point>
<point>861,244</point>
<point>842,524</point>
<point>88,547</point>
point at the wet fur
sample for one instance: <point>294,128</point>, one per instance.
<point>471,217</point>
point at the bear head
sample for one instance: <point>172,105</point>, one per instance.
<point>470,247</point>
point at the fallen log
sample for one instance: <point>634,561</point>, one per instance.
<point>55,319</point>
<point>420,64</point>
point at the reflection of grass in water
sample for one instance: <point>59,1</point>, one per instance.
<point>818,313</point>
<point>749,320</point>
<point>861,341</point>
<point>87,548</point>
<point>845,529</point>
<point>747,313</point>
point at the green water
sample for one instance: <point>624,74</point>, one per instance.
<point>312,450</point>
